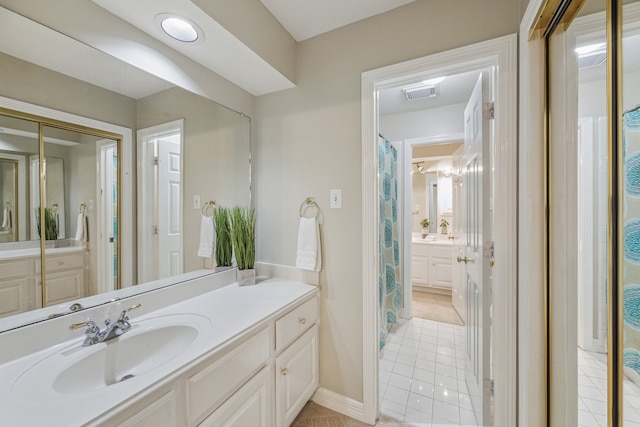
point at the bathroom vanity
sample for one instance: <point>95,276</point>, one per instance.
<point>226,355</point>
<point>431,262</point>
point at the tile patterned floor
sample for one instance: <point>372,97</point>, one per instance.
<point>422,375</point>
<point>592,393</point>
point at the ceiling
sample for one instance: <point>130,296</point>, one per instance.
<point>304,19</point>
<point>453,90</point>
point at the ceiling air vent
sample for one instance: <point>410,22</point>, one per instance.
<point>420,92</point>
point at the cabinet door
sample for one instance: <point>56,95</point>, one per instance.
<point>440,272</point>
<point>65,286</point>
<point>15,296</point>
<point>420,269</point>
<point>296,376</point>
<point>248,407</point>
<point>160,413</point>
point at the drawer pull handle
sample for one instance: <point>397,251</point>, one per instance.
<point>285,371</point>
<point>60,262</point>
<point>303,320</point>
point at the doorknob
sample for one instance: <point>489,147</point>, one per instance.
<point>465,260</point>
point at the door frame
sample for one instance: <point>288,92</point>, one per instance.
<point>146,210</point>
<point>502,54</point>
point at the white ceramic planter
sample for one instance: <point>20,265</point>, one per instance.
<point>246,277</point>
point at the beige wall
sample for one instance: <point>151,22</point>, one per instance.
<point>308,142</point>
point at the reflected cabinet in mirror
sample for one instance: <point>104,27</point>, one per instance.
<point>106,213</point>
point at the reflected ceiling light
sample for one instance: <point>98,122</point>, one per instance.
<point>434,81</point>
<point>590,49</point>
<point>179,28</point>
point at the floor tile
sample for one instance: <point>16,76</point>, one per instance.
<point>400,381</point>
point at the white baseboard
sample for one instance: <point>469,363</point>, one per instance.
<point>339,403</point>
<point>287,272</point>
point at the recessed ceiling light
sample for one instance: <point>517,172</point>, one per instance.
<point>179,28</point>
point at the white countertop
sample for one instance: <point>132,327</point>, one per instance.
<point>233,310</point>
<point>19,253</point>
<point>438,242</point>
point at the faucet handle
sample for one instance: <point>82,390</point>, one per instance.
<point>125,313</point>
<point>90,324</point>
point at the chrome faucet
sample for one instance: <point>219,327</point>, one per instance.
<point>94,335</point>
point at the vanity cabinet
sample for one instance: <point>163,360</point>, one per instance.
<point>20,281</point>
<point>233,386</point>
<point>431,265</point>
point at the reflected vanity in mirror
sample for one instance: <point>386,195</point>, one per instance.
<point>92,187</point>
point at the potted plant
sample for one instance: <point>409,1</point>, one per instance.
<point>443,226</point>
<point>50,225</point>
<point>425,227</point>
<point>223,237</point>
<point>243,231</point>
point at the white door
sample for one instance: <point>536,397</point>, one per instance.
<point>168,208</point>
<point>108,216</point>
<point>459,233</point>
<point>478,222</point>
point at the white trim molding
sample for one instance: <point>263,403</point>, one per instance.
<point>339,403</point>
<point>532,385</point>
<point>500,53</point>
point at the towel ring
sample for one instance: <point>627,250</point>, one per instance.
<point>208,208</point>
<point>309,201</point>
<point>83,208</point>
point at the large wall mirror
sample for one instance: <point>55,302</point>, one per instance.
<point>99,216</point>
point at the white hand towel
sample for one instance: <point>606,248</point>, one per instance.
<point>207,237</point>
<point>6,222</point>
<point>309,256</point>
<point>81,232</point>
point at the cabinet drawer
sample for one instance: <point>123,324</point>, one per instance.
<point>207,389</point>
<point>294,323</point>
<point>419,249</point>
<point>441,252</point>
<point>63,262</point>
<point>17,268</point>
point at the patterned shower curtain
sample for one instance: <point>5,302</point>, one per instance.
<point>631,273</point>
<point>389,286</point>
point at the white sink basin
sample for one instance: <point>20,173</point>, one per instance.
<point>151,346</point>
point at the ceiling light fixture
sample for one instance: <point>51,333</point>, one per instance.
<point>179,28</point>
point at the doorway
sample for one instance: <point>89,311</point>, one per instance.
<point>499,53</point>
<point>160,189</point>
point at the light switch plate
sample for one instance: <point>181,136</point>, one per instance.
<point>196,202</point>
<point>335,198</point>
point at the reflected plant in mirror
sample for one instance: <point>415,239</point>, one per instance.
<point>223,237</point>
